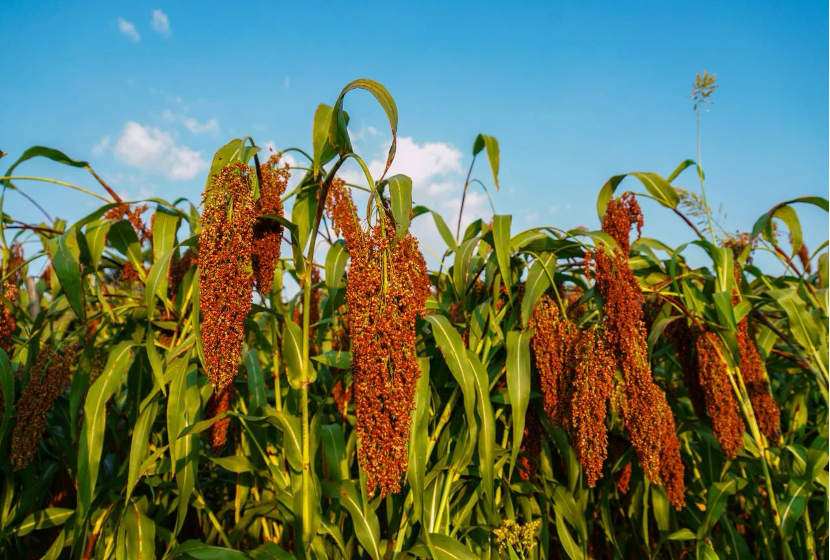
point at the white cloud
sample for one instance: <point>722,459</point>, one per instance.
<point>101,147</point>
<point>160,23</point>
<point>437,182</point>
<point>155,151</point>
<point>194,126</point>
<point>211,125</point>
<point>128,29</point>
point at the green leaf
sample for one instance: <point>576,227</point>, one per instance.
<point>538,282</point>
<point>501,238</point>
<point>95,417</point>
<point>271,551</point>
<point>65,253</point>
<point>292,352</point>
<point>141,533</point>
<point>364,519</point>
<point>418,439</point>
<point>571,548</point>
<point>165,225</point>
<point>659,188</point>
<point>440,225</point>
<point>186,401</point>
<point>334,452</point>
<point>234,463</point>
<point>518,385</point>
<point>96,238</point>
<point>681,535</point>
<point>339,359</point>
<point>483,141</point>
<point>338,132</point>
<point>256,383</point>
<point>336,264</point>
<point>304,211</point>
<point>487,434</point>
<point>792,507</point>
<point>452,348</point>
<point>447,548</point>
<point>400,193</point>
<point>716,504</point>
<point>202,551</point>
<point>140,442</point>
<point>788,216</point>
<point>123,238</point>
<point>322,150</point>
<point>43,519</point>
<point>462,264</point>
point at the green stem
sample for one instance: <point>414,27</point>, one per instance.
<point>306,474</point>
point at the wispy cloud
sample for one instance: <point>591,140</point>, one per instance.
<point>209,126</point>
<point>153,150</point>
<point>160,23</point>
<point>128,30</point>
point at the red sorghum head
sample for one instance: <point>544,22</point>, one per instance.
<point>755,378</point>
<point>218,403</point>
<point>48,378</point>
<point>531,445</point>
<point>225,276</point>
<point>646,414</point>
<point>8,323</point>
<point>268,232</point>
<point>387,288</point>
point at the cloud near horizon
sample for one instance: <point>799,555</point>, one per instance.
<point>154,151</point>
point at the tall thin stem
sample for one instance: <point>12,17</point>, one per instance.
<point>309,264</point>
<point>463,198</point>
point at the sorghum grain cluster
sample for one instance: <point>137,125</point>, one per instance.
<point>49,378</point>
<point>225,276</point>
<point>646,413</point>
<point>268,232</point>
<point>387,288</point>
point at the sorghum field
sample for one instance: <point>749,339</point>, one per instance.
<point>540,394</point>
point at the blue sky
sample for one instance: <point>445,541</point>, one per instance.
<point>574,92</point>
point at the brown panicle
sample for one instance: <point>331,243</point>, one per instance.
<point>268,232</point>
<point>576,371</point>
<point>178,269</point>
<point>755,378</point>
<point>8,323</point>
<point>225,279</point>
<point>387,288</point>
<point>531,445</point>
<point>218,403</point>
<point>552,342</point>
<point>593,383</point>
<point>646,413</point>
<point>721,405</point>
<point>49,378</point>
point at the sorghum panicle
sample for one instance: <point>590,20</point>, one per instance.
<point>755,379</point>
<point>8,323</point>
<point>268,232</point>
<point>551,344</point>
<point>576,372</point>
<point>49,378</point>
<point>387,288</point>
<point>646,413</point>
<point>218,403</point>
<point>225,277</point>
<point>707,380</point>
<point>593,383</point>
<point>531,445</point>
<point>134,217</point>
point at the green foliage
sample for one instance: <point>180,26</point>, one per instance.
<point>128,465</point>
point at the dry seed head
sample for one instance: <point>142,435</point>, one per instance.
<point>268,232</point>
<point>755,379</point>
<point>218,403</point>
<point>48,378</point>
<point>647,416</point>
<point>387,288</point>
<point>576,370</point>
<point>225,277</point>
<point>8,323</point>
<point>531,445</point>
